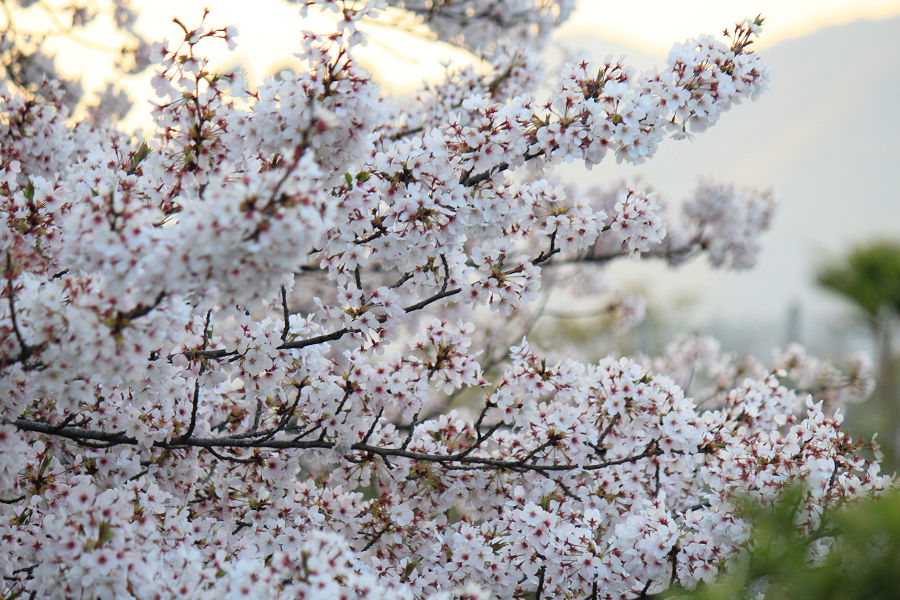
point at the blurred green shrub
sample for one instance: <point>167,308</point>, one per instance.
<point>869,277</point>
<point>860,561</point>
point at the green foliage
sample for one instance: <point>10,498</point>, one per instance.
<point>869,277</point>
<point>862,562</point>
<point>139,155</point>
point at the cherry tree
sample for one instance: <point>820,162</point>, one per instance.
<point>276,347</point>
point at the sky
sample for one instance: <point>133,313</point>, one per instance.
<point>269,31</point>
<point>655,24</point>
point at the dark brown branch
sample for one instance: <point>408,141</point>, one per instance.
<point>376,537</point>
<point>285,315</point>
<point>11,297</point>
<point>467,179</point>
<point>372,237</point>
<point>456,461</point>
<point>540,586</point>
<point>545,256</point>
<point>195,398</point>
<point>122,319</point>
<point>406,277</point>
<point>679,253</point>
<point>598,448</point>
<point>26,350</point>
<point>285,418</point>
<point>195,403</point>
<point>195,354</point>
<point>257,414</point>
<point>373,426</point>
<point>406,132</point>
<point>566,489</point>
<point>236,459</point>
<point>825,505</point>
<point>439,296</point>
<point>319,339</point>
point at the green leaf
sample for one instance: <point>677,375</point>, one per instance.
<point>408,569</point>
<point>104,534</point>
<point>29,190</point>
<point>141,153</point>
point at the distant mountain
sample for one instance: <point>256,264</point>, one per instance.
<point>825,138</point>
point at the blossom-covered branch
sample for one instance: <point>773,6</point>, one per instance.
<point>276,346</point>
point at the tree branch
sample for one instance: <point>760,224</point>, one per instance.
<point>462,460</point>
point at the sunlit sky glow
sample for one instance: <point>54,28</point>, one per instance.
<point>657,24</point>
<point>269,31</point>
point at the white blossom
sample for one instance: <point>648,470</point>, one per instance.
<point>273,347</point>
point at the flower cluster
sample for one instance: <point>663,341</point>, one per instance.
<point>726,222</point>
<point>478,24</point>
<point>276,347</point>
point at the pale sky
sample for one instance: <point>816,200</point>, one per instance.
<point>657,24</point>
<point>269,31</point>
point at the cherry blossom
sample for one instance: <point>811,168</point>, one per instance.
<point>278,345</point>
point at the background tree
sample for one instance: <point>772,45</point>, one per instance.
<point>869,277</point>
<point>233,346</point>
